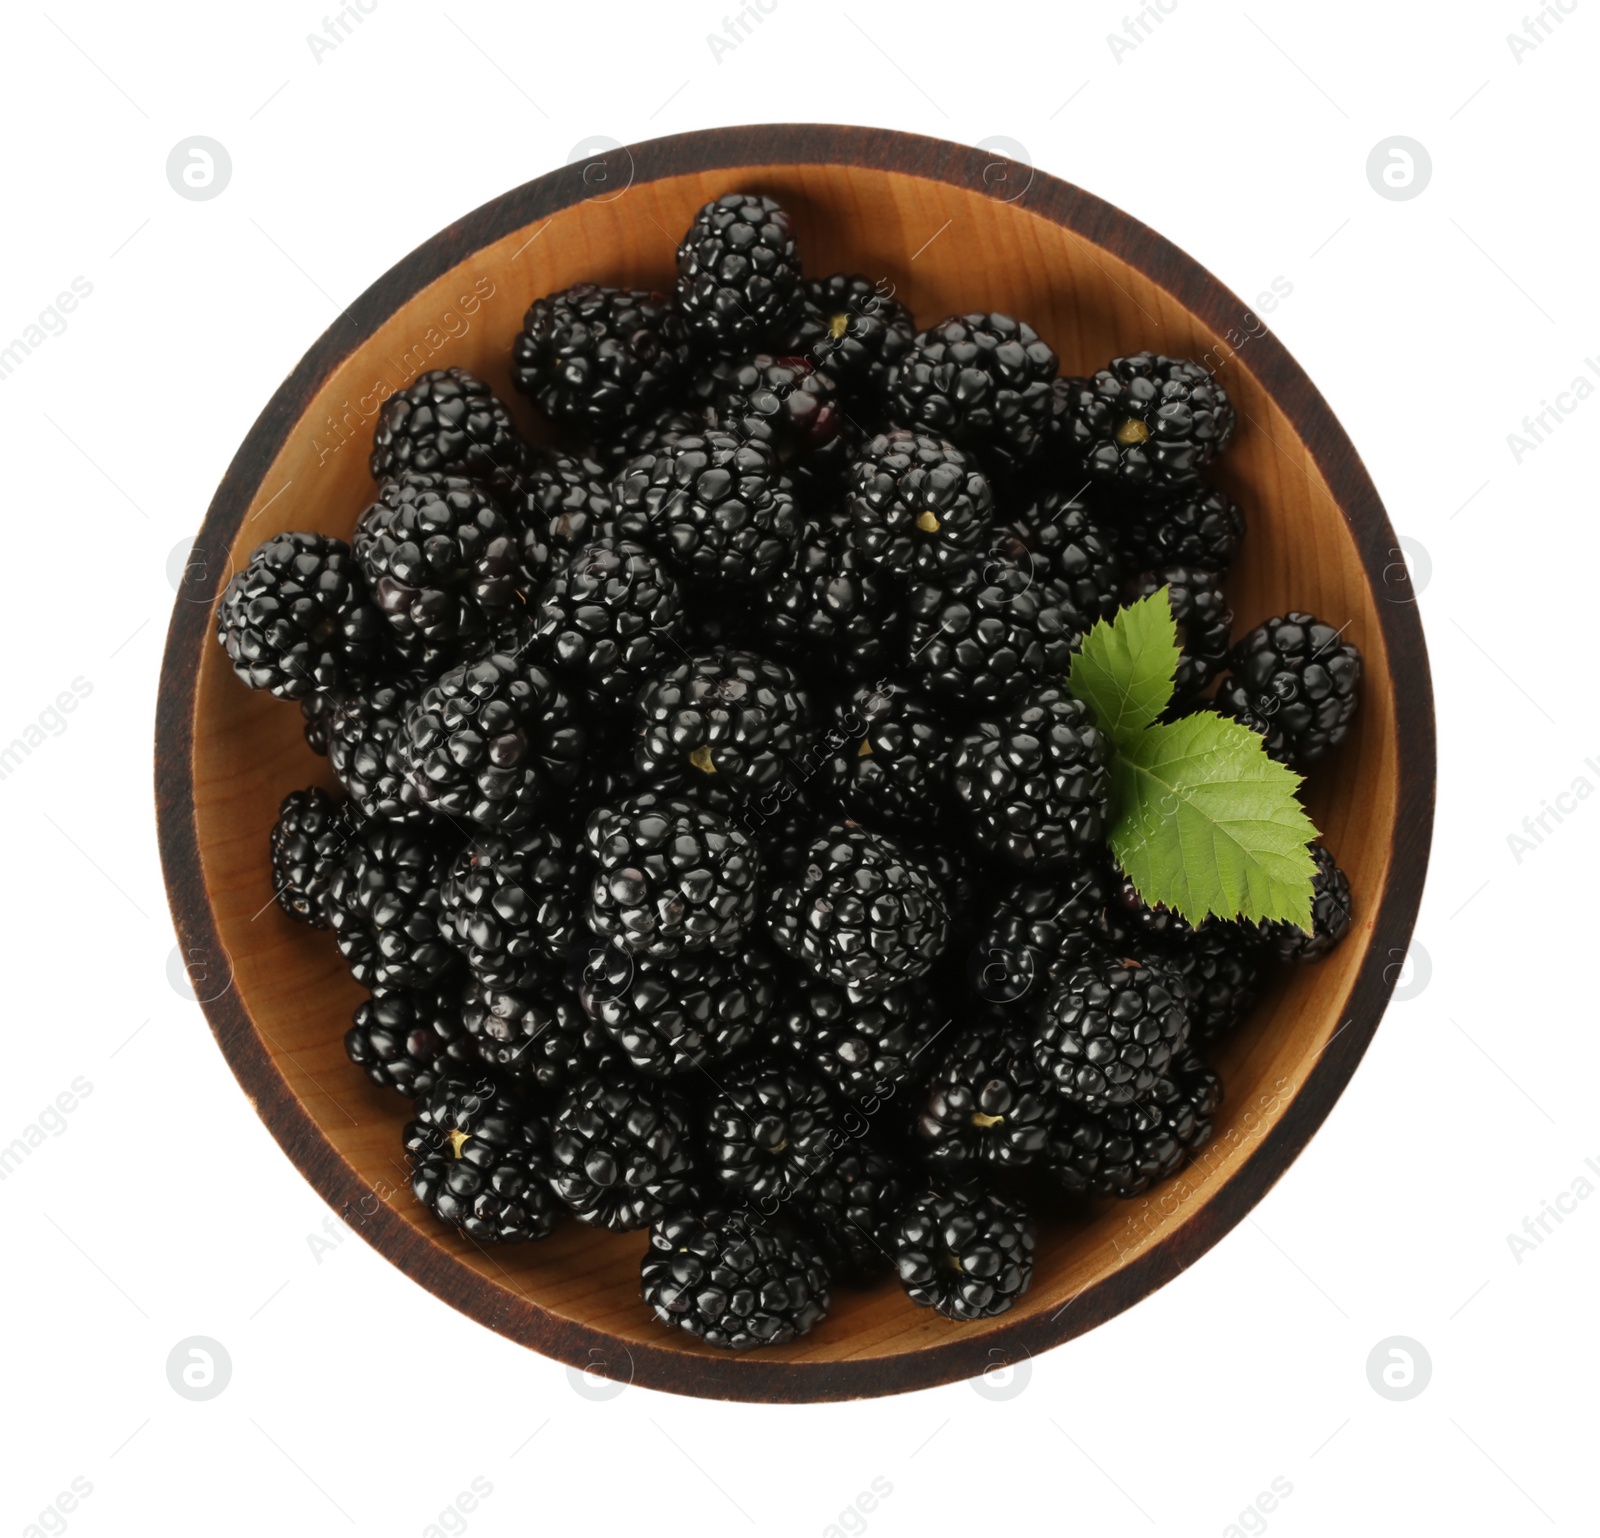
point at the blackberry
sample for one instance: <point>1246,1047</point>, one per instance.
<point>316,715</point>
<point>1330,915</point>
<point>711,503</point>
<point>620,1151</point>
<point>785,403</point>
<point>298,619</point>
<point>536,1038</point>
<point>1037,928</point>
<point>738,274</point>
<point>675,1016</point>
<point>965,1252</point>
<point>563,502</point>
<point>594,358</point>
<point>731,1280</point>
<point>986,1105</point>
<point>861,913</point>
<point>916,501</point>
<point>1109,1027</point>
<point>363,746</point>
<point>1221,976</point>
<point>443,562</point>
<point>479,1160</point>
<point>1204,620</point>
<point>1071,537</point>
<point>652,433</point>
<point>447,422</point>
<point>494,741</point>
<point>1296,682</point>
<point>1149,421</point>
<point>1199,526</point>
<point>670,876</point>
<point>1129,917</point>
<point>604,618</point>
<point>852,331</point>
<point>770,1128</point>
<point>508,904</point>
<point>850,1206</point>
<point>407,1039</point>
<point>309,838</point>
<point>728,715</point>
<point>1037,783</point>
<point>983,381</point>
<point>890,760</point>
<point>382,903</point>
<point>1122,1150</point>
<point>866,1047</point>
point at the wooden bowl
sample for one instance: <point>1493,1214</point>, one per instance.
<point>954,229</point>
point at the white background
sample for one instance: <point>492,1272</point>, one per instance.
<point>163,1210</point>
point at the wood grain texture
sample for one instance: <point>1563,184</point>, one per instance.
<point>951,234</point>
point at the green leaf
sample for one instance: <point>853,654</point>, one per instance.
<point>1124,670</point>
<point>1207,823</point>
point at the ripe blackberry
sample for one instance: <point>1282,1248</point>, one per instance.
<point>1296,682</point>
<point>494,741</point>
<point>728,715</point>
<point>652,433</point>
<point>1221,975</point>
<point>849,1207</point>
<point>1038,928</point>
<point>509,904</point>
<point>479,1161</point>
<point>770,1128</point>
<point>675,1016</point>
<point>606,616</point>
<point>1130,919</point>
<point>917,502</point>
<point>1109,1028</point>
<point>1204,620</point>
<point>861,913</point>
<point>966,1252</point>
<point>298,619</point>
<point>865,1047</point>
<point>732,1280</point>
<point>536,1039</point>
<point>890,760</point>
<point>1122,1150</point>
<point>363,746</point>
<point>594,358</point>
<point>1198,526</point>
<point>309,838</point>
<point>382,903</point>
<point>447,422</point>
<point>738,274</point>
<point>316,714</point>
<point>1071,537</point>
<point>1149,422</point>
<point>1037,783</point>
<point>786,403</point>
<point>670,876</point>
<point>986,1104</point>
<point>983,381</point>
<point>621,1151</point>
<point>563,502</point>
<point>1330,915</point>
<point>407,1039</point>
<point>851,331</point>
<point>713,504</point>
<point>442,560</point>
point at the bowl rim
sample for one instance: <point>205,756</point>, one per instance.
<point>749,1377</point>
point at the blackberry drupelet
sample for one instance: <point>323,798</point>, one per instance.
<point>981,380</point>
<point>670,876</point>
<point>316,715</point>
<point>479,1161</point>
<point>1199,526</point>
<point>1330,915</point>
<point>1038,927</point>
<point>1037,783</point>
<point>310,837</point>
<point>447,422</point>
<point>1221,975</point>
<point>890,764</point>
<point>1072,536</point>
<point>382,903</point>
<point>298,619</point>
<point>788,405</point>
<point>496,742</point>
<point>1296,682</point>
<point>595,358</point>
<point>849,1207</point>
<point>865,1047</point>
<point>1148,422</point>
<point>1109,1028</point>
<point>562,503</point>
<point>986,1104</point>
<point>1130,919</point>
<point>917,502</point>
<point>860,912</point>
<point>407,1039</point>
<point>966,1252</point>
<point>621,1151</point>
<point>851,331</point>
<point>364,733</point>
<point>607,615</point>
<point>770,1128</point>
<point>738,274</point>
<point>652,433</point>
<point>1204,620</point>
<point>733,1280</point>
<point>536,1039</point>
<point>510,905</point>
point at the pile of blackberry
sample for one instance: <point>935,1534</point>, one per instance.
<point>714,835</point>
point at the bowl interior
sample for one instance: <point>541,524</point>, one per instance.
<point>945,249</point>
